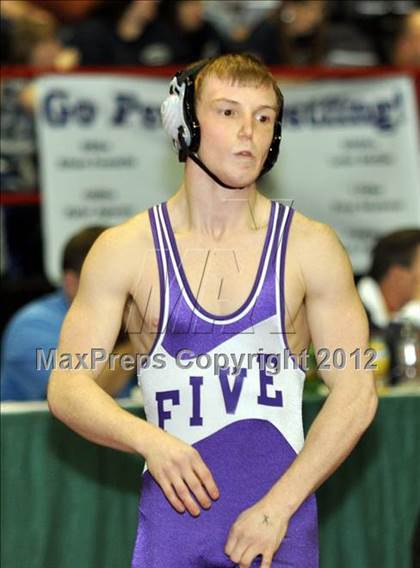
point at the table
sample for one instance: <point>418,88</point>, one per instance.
<point>68,503</point>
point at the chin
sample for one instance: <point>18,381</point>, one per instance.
<point>240,180</point>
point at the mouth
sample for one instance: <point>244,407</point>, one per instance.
<point>244,154</point>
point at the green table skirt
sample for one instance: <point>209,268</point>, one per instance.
<point>67,503</point>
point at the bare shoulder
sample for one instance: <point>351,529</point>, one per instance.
<point>308,234</point>
<point>127,236</point>
<point>320,254</point>
<point>314,241</point>
<point>119,252</point>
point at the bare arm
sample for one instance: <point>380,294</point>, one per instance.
<point>336,321</point>
<point>113,378</point>
<point>93,322</point>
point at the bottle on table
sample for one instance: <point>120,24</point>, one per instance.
<point>407,353</point>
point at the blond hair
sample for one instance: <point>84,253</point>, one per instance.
<point>239,68</point>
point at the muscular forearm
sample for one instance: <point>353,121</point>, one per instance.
<point>76,400</point>
<point>113,380</point>
<point>344,417</point>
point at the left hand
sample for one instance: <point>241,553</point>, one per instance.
<point>257,530</point>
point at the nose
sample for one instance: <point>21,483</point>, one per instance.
<point>247,127</point>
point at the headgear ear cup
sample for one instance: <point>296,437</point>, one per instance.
<point>273,152</point>
<point>172,114</point>
<point>178,113</point>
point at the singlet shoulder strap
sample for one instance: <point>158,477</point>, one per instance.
<point>280,266</point>
<point>163,238</point>
<point>157,238</point>
<point>162,263</point>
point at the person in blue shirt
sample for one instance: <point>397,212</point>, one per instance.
<point>37,325</point>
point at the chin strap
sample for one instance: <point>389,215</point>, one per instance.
<point>213,176</point>
<point>184,152</point>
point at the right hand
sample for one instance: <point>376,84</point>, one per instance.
<point>181,473</point>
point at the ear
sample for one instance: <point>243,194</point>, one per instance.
<point>71,283</point>
<point>398,272</point>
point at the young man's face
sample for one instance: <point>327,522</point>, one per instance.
<point>237,125</point>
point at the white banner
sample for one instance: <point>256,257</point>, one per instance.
<point>349,156</point>
<point>103,154</point>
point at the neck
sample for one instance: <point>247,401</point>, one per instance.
<point>204,207</point>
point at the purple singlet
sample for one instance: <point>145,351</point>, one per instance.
<point>245,418</point>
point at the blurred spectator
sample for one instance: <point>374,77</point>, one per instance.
<point>294,35</point>
<point>348,45</point>
<point>378,20</point>
<point>299,33</point>
<point>405,46</point>
<point>192,38</point>
<point>146,32</point>
<point>133,36</point>
<point>13,13</point>
<point>393,282</point>
<point>68,10</point>
<point>32,37</point>
<point>234,19</point>
<point>14,10</point>
<point>37,44</point>
<point>37,326</point>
